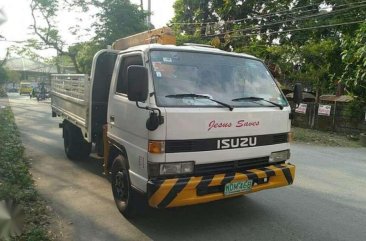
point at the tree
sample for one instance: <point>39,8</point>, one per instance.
<point>3,75</point>
<point>13,76</point>
<point>118,19</point>
<point>191,16</point>
<point>266,30</point>
<point>44,13</point>
<point>115,19</point>
<point>85,54</point>
<point>354,58</point>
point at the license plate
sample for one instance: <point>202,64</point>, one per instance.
<point>238,187</point>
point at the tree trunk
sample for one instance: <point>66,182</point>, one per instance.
<point>317,96</point>
<point>317,100</point>
<point>75,63</point>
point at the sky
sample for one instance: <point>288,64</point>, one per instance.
<point>16,27</point>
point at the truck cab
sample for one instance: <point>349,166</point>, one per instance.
<point>192,124</point>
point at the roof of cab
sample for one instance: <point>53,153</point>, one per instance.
<point>190,48</point>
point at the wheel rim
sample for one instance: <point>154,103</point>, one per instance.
<point>120,186</point>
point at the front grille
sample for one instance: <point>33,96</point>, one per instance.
<point>280,138</point>
<point>195,145</point>
<point>231,166</point>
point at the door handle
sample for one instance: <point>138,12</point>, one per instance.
<point>111,119</point>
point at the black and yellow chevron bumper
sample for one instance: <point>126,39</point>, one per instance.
<point>201,189</point>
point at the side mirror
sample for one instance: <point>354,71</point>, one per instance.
<point>137,78</point>
<point>297,96</point>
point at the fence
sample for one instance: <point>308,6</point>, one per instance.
<point>334,119</point>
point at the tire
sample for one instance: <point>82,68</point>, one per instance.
<point>128,201</point>
<point>76,148</point>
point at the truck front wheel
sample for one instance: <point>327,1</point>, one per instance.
<point>76,148</point>
<point>125,197</point>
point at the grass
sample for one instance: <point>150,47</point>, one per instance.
<point>322,138</point>
<point>16,182</point>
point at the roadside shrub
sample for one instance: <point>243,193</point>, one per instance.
<point>2,92</point>
<point>355,110</point>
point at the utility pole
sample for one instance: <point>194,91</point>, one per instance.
<point>149,13</point>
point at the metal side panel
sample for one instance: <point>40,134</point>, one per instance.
<point>70,99</point>
<point>75,110</point>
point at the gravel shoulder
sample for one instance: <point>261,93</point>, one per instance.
<point>323,138</point>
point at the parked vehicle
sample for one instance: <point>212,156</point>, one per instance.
<point>25,88</point>
<point>177,125</point>
<point>41,92</point>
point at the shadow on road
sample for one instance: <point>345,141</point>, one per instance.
<point>199,222</point>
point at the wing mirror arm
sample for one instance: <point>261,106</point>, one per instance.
<point>155,119</point>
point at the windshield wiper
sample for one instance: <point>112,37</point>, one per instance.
<point>200,96</point>
<point>253,98</point>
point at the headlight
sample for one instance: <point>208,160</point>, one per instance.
<point>279,156</point>
<point>164,169</point>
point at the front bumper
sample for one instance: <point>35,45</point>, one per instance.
<point>201,189</point>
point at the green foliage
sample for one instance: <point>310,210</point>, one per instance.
<point>355,110</point>
<point>13,76</point>
<point>192,11</point>
<point>2,92</point>
<point>114,19</point>
<point>44,14</point>
<point>354,58</point>
<point>16,182</point>
<point>312,63</point>
<point>3,75</point>
<point>318,60</point>
<point>279,59</point>
<point>85,53</point>
<point>312,56</point>
<point>118,19</point>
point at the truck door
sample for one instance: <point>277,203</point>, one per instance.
<point>126,122</point>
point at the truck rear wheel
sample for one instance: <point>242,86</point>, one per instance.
<point>126,198</point>
<point>76,148</point>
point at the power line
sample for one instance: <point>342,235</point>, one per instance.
<point>285,21</point>
<point>290,11</point>
<point>239,20</point>
<point>301,29</point>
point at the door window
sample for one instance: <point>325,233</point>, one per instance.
<point>127,61</point>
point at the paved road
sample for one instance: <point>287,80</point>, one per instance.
<point>326,202</point>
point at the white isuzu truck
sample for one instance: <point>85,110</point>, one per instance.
<point>177,125</point>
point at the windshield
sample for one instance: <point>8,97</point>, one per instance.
<point>223,78</point>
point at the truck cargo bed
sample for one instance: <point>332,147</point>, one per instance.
<point>70,98</point>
